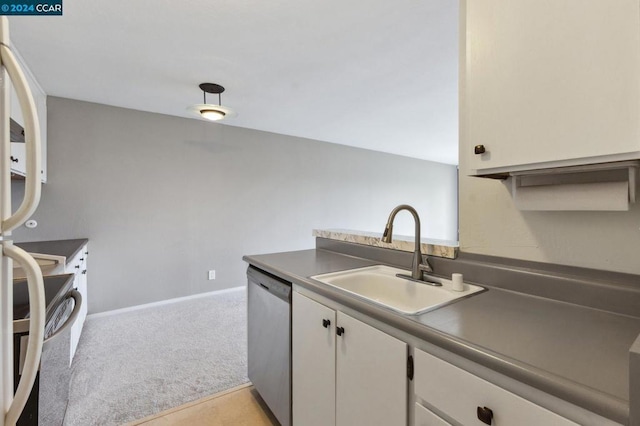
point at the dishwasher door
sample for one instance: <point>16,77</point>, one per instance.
<point>269,341</point>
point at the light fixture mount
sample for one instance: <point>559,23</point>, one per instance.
<point>211,112</point>
<point>211,88</point>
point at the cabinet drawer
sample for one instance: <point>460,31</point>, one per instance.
<point>424,417</point>
<point>459,394</point>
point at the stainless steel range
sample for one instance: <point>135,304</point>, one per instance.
<point>47,403</point>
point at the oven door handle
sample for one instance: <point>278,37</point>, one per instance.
<point>77,298</point>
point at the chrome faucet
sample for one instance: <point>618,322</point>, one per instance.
<point>417,267</point>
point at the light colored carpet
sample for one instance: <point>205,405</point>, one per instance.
<point>134,364</point>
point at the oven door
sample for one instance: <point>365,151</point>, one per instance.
<point>47,403</point>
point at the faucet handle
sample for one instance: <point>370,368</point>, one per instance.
<point>425,267</point>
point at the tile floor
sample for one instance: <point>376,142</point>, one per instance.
<point>240,406</point>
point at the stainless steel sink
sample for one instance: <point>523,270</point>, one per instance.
<point>380,285</point>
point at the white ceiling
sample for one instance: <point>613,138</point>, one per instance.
<point>381,75</point>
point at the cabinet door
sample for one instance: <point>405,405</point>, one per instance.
<point>76,327</point>
<point>82,287</point>
<point>371,376</point>
<point>550,80</point>
<point>80,284</point>
<point>313,362</point>
<point>40,100</point>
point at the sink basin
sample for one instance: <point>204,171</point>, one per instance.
<point>380,285</point>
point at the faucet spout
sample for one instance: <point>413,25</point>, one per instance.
<point>416,268</point>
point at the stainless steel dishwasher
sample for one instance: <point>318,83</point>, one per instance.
<point>269,341</point>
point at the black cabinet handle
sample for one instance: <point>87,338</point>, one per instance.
<point>14,159</point>
<point>77,266</point>
<point>485,415</point>
<point>84,272</point>
<point>479,149</point>
<point>326,323</point>
<point>81,259</point>
<point>86,252</point>
<point>340,331</point>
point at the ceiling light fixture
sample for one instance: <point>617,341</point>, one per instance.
<point>211,112</point>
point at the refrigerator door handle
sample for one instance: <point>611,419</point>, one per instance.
<point>8,62</point>
<point>36,328</point>
<point>32,141</point>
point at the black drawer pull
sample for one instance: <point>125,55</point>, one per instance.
<point>84,272</point>
<point>81,259</point>
<point>326,323</point>
<point>485,415</point>
<point>77,266</point>
<point>479,149</point>
<point>340,331</point>
<point>14,159</point>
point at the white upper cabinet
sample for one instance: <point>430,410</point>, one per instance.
<point>549,83</point>
<point>40,99</point>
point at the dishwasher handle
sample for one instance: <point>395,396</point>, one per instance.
<point>279,288</point>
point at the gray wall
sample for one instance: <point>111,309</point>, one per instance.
<point>164,199</point>
<point>490,224</point>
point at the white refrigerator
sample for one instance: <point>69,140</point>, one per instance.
<point>11,75</point>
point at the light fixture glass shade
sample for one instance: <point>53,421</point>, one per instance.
<point>211,112</point>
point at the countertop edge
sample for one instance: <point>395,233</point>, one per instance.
<point>590,399</point>
<point>81,242</point>
<point>84,242</point>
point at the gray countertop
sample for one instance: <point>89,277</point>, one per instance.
<point>576,353</point>
<point>581,344</point>
<point>66,248</point>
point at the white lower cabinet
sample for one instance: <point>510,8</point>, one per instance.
<point>471,400</point>
<point>345,372</point>
<point>78,266</point>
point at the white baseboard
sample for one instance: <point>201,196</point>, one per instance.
<point>165,302</point>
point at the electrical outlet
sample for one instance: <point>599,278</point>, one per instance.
<point>212,274</point>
